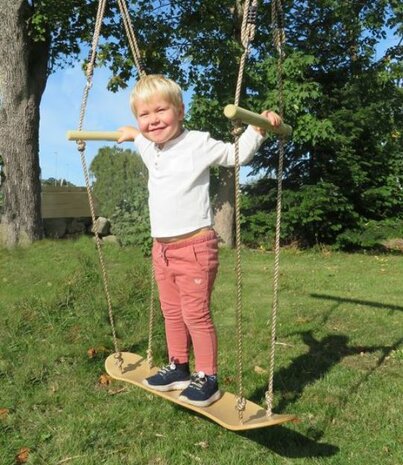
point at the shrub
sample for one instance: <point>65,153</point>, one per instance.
<point>370,235</point>
<point>258,229</point>
<point>121,191</point>
<point>315,214</point>
<point>130,224</point>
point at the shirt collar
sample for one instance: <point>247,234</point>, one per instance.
<point>170,143</point>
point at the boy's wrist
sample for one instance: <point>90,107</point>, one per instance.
<point>260,131</point>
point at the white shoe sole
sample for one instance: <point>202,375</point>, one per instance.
<point>177,385</point>
<point>201,403</point>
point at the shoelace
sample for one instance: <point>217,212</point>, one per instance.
<point>167,368</point>
<point>198,380</point>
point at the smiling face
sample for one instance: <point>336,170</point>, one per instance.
<point>158,119</point>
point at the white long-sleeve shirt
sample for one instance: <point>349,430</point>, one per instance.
<point>179,177</point>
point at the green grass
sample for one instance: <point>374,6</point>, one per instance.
<point>338,360</point>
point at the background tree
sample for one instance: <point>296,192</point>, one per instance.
<point>343,102</point>
<point>36,37</point>
<point>176,38</point>
<point>119,176</point>
<point>120,189</point>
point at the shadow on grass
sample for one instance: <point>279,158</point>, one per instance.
<point>279,439</point>
<point>369,303</point>
<point>288,443</point>
<point>291,381</point>
<point>323,354</point>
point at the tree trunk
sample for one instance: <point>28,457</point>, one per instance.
<point>23,74</point>
<point>224,207</point>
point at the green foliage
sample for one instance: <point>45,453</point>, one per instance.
<point>315,214</point>
<point>56,182</point>
<point>68,25</point>
<point>120,188</point>
<point>65,25</point>
<point>342,98</point>
<point>343,102</point>
<point>130,223</point>
<point>119,176</point>
<point>370,235</point>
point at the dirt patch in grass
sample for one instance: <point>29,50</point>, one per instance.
<point>394,245</point>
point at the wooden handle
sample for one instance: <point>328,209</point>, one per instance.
<point>233,112</point>
<point>94,135</point>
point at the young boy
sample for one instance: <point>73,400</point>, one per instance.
<point>185,249</point>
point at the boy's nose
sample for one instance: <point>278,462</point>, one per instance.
<point>154,118</point>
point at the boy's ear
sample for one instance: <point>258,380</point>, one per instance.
<point>182,112</point>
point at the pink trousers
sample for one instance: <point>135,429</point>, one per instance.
<point>185,272</point>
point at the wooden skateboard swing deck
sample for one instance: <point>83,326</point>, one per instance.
<point>223,412</point>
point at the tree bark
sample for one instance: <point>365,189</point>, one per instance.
<point>23,75</point>
<point>224,207</point>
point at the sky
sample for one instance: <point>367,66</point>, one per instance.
<point>60,111</point>
<point>60,108</point>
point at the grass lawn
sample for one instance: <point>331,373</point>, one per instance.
<point>338,361</point>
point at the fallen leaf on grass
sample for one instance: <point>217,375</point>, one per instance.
<point>104,380</point>
<point>260,370</point>
<point>194,457</point>
<point>113,392</point>
<point>4,413</point>
<point>202,444</point>
<point>228,379</point>
<point>23,455</point>
<point>93,351</point>
<point>54,388</point>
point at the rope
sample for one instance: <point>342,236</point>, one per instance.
<point>278,40</point>
<point>151,319</point>
<point>81,148</point>
<point>131,37</point>
<point>139,65</point>
<point>247,34</point>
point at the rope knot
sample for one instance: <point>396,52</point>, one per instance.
<point>81,146</point>
<point>119,361</point>
<point>237,129</point>
<point>241,404</point>
<point>89,68</point>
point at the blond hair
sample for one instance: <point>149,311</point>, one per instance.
<point>152,84</point>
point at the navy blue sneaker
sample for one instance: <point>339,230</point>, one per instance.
<point>170,377</point>
<point>202,391</point>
